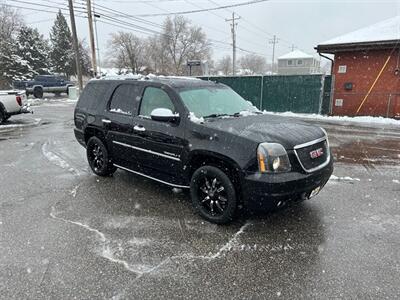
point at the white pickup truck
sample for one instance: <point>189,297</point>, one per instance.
<point>12,102</point>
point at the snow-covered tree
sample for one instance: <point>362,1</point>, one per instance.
<point>61,54</point>
<point>10,64</point>
<point>34,49</point>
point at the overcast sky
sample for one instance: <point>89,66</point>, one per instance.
<point>301,23</point>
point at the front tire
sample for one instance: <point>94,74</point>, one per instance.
<point>99,158</point>
<point>213,195</point>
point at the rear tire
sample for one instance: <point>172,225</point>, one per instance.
<point>213,195</point>
<point>2,115</point>
<point>99,158</point>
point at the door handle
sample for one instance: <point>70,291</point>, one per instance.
<point>106,121</point>
<point>139,128</point>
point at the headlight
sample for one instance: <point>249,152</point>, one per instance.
<point>272,158</point>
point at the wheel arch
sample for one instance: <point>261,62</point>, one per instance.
<point>198,158</point>
<point>93,131</point>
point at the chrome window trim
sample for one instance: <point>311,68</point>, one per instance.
<point>324,164</point>
<point>153,178</point>
<point>147,151</point>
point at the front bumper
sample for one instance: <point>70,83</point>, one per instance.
<point>266,191</point>
<point>80,137</point>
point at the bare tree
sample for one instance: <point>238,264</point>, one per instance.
<point>183,42</point>
<point>126,51</point>
<point>252,64</point>
<point>224,65</point>
<point>10,22</point>
<point>156,56</point>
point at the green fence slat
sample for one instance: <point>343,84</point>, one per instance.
<point>249,87</point>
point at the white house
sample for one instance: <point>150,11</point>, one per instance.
<point>297,63</point>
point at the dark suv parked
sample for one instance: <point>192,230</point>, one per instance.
<point>202,136</point>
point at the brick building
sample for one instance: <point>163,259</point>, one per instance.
<point>366,70</point>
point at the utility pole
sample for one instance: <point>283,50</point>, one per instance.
<point>233,30</point>
<point>76,47</point>
<point>91,36</point>
<point>293,47</point>
<point>97,40</point>
<point>273,41</point>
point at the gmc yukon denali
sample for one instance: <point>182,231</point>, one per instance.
<point>202,136</point>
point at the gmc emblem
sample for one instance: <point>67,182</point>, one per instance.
<point>316,153</point>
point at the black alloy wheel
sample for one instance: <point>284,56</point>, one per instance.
<point>213,195</point>
<point>98,157</point>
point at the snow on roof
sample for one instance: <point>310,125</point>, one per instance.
<point>387,30</point>
<point>295,54</point>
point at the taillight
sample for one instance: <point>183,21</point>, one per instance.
<point>19,100</point>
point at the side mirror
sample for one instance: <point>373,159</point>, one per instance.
<point>164,115</point>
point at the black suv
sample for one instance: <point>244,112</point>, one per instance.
<point>200,135</point>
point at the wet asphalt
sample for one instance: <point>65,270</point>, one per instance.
<point>67,234</point>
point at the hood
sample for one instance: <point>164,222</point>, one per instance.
<point>268,128</point>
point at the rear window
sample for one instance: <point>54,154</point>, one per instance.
<point>95,94</point>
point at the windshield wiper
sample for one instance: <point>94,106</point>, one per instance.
<point>215,116</point>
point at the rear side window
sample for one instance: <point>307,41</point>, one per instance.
<point>124,99</point>
<point>95,95</point>
<point>155,98</point>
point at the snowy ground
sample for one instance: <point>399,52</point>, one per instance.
<point>65,233</point>
<point>362,120</point>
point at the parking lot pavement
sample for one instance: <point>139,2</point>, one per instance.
<point>65,233</point>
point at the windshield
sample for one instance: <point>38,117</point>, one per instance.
<point>215,101</point>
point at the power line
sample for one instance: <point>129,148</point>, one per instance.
<point>203,10</point>
<point>253,25</point>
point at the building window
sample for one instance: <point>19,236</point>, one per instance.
<point>290,62</point>
<point>299,62</point>
<point>339,102</point>
<point>342,69</point>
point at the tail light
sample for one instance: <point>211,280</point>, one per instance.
<point>19,100</point>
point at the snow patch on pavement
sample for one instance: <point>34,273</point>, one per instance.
<point>34,123</point>
<point>74,191</point>
<point>231,243</point>
<point>345,178</point>
<point>106,250</point>
<point>57,160</point>
<point>396,181</point>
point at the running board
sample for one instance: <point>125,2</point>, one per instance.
<point>155,179</point>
